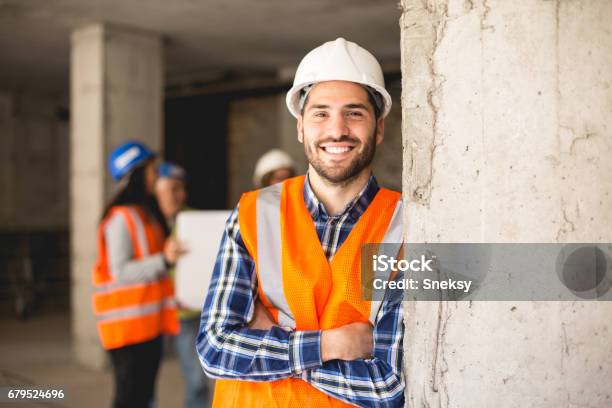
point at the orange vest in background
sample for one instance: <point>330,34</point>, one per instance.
<point>132,313</point>
<point>297,283</point>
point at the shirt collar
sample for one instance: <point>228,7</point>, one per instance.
<point>355,208</point>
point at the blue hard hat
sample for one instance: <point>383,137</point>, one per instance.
<point>171,170</point>
<point>126,157</point>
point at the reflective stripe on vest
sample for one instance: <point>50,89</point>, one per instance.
<point>132,313</point>
<point>136,311</point>
<point>269,256</point>
<point>128,296</point>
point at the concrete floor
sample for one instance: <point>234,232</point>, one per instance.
<point>37,352</point>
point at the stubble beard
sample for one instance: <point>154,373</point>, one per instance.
<point>342,177</point>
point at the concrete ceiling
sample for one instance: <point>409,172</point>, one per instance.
<point>203,37</point>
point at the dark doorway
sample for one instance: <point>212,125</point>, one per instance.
<point>195,138</point>
<point>196,135</point>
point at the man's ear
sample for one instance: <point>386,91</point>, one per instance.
<point>300,133</point>
<point>380,130</point>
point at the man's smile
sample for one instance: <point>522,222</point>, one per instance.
<point>337,149</point>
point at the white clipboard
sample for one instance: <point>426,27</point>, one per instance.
<point>200,232</point>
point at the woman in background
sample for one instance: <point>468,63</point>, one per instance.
<point>133,296</point>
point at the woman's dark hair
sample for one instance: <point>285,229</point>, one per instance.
<point>135,193</point>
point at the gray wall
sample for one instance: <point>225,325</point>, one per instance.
<point>252,131</point>
<point>34,156</point>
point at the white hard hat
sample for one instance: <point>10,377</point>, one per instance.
<point>275,159</point>
<point>338,60</point>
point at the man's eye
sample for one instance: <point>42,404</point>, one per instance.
<point>320,114</point>
<point>354,113</point>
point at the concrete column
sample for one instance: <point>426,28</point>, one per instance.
<point>507,121</point>
<point>116,95</point>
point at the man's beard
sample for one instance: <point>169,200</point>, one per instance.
<point>346,175</point>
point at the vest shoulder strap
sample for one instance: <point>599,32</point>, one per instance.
<point>137,229</point>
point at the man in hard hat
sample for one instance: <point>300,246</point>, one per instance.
<point>284,322</point>
<point>171,194</point>
<point>273,167</point>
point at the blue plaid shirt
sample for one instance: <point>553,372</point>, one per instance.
<point>228,348</point>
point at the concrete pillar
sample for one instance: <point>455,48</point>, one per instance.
<point>116,95</point>
<point>507,112</point>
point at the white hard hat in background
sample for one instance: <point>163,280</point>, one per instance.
<point>338,60</point>
<point>275,159</point>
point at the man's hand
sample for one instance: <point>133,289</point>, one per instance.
<point>262,319</point>
<point>349,342</point>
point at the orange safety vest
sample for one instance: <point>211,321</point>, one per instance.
<point>299,286</point>
<point>132,313</point>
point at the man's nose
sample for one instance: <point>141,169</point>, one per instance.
<point>337,127</point>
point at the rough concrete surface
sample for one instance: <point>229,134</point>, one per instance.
<point>507,111</point>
